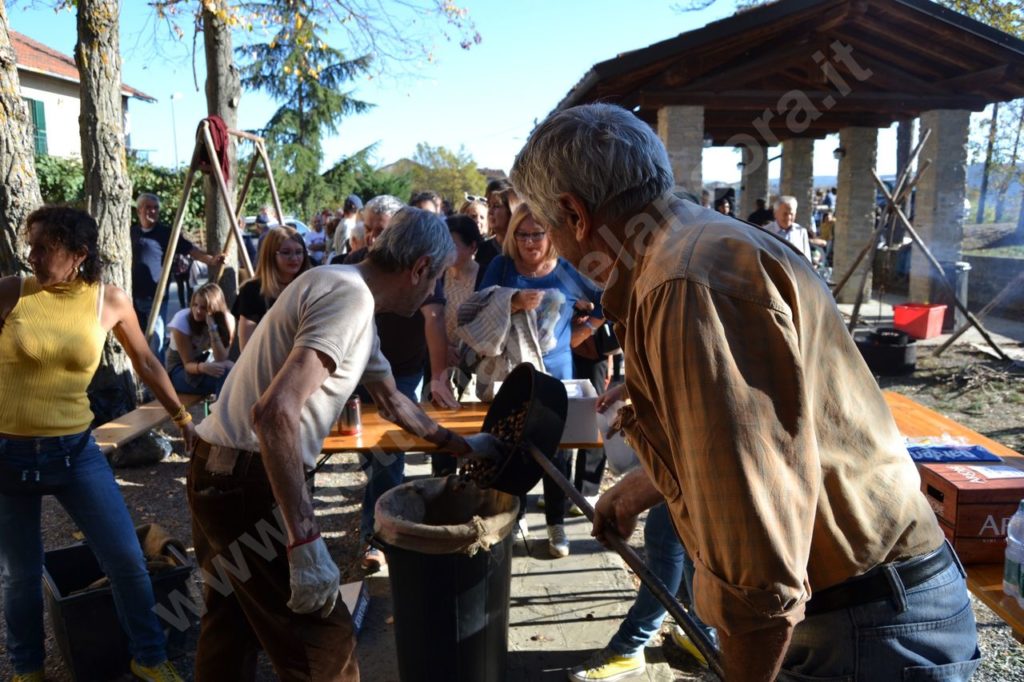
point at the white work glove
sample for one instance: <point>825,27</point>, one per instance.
<point>314,578</point>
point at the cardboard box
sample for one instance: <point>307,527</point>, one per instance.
<point>581,419</point>
<point>974,504</point>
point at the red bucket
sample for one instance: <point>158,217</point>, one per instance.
<point>920,320</point>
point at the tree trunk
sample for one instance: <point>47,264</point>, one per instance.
<point>993,129</point>
<point>1012,173</point>
<point>108,189</point>
<point>223,92</point>
<point>19,187</point>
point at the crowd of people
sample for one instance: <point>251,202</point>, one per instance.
<point>781,499</point>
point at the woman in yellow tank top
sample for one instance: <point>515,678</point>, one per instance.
<point>52,329</point>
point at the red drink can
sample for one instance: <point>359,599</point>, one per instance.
<point>350,423</point>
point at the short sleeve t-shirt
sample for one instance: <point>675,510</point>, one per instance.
<point>198,343</point>
<point>148,249</point>
<point>403,340</point>
<point>329,309</point>
<point>251,304</point>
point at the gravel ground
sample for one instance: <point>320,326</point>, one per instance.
<point>983,394</point>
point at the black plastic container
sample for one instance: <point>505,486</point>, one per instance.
<point>451,613</point>
<point>545,421</point>
<point>449,551</point>
<point>887,351</point>
<point>85,624</point>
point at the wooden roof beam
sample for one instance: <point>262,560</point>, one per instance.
<point>741,70</point>
<point>980,79</point>
<point>895,14</point>
<point>684,68</point>
<point>888,76</point>
<point>896,41</point>
<point>823,100</point>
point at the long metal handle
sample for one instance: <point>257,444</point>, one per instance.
<point>633,560</point>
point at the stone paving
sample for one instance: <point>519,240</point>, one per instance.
<point>562,610</point>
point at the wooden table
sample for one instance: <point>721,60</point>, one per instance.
<point>380,435</point>
<point>984,580</point>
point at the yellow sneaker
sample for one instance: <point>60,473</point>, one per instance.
<point>34,676</point>
<point>161,672</point>
<point>608,666</point>
<point>681,640</point>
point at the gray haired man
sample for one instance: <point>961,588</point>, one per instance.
<point>279,402</point>
<point>756,421</point>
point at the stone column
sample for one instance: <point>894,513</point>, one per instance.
<point>939,205</point>
<point>855,207</point>
<point>681,129</point>
<point>798,177</point>
<point>754,183</point>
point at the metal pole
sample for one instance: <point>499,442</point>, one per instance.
<point>633,560</point>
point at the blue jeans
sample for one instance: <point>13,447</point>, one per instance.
<point>666,558</point>
<point>143,306</point>
<point>385,470</point>
<point>94,502</point>
<point>926,632</point>
<point>199,384</point>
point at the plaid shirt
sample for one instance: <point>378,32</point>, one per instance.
<point>755,416</point>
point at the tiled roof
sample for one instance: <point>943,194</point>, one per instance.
<point>34,56</point>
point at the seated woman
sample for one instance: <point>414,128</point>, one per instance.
<point>53,326</point>
<point>545,281</point>
<point>282,258</point>
<point>197,358</point>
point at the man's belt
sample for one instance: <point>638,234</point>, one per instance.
<point>875,585</point>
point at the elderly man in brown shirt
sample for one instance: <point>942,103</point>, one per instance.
<point>756,420</point>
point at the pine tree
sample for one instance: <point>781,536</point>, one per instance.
<point>309,78</point>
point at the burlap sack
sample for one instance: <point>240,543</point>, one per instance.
<point>444,516</point>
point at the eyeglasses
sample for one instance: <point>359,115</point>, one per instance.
<point>531,236</point>
<point>291,254</point>
<point>470,197</point>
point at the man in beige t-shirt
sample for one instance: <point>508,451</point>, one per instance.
<point>282,397</point>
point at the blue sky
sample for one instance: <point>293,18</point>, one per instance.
<point>486,98</point>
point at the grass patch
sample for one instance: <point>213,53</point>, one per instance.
<point>1016,251</point>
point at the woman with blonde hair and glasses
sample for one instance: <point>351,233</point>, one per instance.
<point>282,258</point>
<point>568,310</point>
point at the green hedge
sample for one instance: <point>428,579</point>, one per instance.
<point>61,181</point>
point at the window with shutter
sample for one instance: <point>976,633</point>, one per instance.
<point>38,113</point>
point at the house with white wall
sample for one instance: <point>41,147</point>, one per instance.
<point>50,88</point>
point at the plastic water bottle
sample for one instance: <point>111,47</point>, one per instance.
<point>1014,555</point>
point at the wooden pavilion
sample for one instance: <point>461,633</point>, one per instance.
<point>795,70</point>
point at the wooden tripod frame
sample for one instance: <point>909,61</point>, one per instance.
<point>894,200</point>
<point>204,140</point>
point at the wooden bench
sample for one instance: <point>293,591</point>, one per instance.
<point>984,580</point>
<point>143,418</point>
